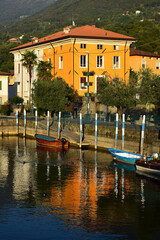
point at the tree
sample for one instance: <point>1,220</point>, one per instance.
<point>117,93</point>
<point>44,70</point>
<point>17,100</point>
<point>29,60</point>
<point>149,87</point>
<point>54,95</point>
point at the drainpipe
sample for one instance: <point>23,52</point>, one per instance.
<point>73,61</point>
<point>125,62</point>
<point>53,60</point>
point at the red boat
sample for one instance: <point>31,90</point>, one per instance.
<point>51,141</point>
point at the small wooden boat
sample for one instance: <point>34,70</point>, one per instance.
<point>51,141</point>
<point>150,167</point>
<point>124,157</point>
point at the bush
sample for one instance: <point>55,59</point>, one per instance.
<point>17,100</point>
<point>6,109</point>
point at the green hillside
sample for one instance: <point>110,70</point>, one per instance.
<point>118,16</point>
<point>11,10</point>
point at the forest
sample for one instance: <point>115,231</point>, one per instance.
<point>120,17</point>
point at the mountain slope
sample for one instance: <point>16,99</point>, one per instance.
<point>11,10</point>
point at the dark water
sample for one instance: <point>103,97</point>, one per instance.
<point>73,195</point>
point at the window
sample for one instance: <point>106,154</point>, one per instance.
<point>99,46</point>
<point>18,68</point>
<point>60,62</point>
<point>116,62</point>
<point>157,64</point>
<point>0,100</point>
<point>82,81</point>
<point>115,47</point>
<point>100,62</point>
<point>143,63</point>
<point>0,85</point>
<point>49,50</point>
<point>83,45</point>
<point>150,58</point>
<point>61,47</point>
<point>49,60</point>
<point>83,61</point>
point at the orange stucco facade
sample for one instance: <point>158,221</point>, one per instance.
<point>144,60</point>
<point>72,71</point>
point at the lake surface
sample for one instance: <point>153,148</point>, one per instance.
<point>73,195</point>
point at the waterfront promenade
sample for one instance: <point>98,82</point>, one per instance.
<point>8,128</point>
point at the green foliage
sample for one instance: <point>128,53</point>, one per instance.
<point>6,58</point>
<point>6,109</point>
<point>17,100</point>
<point>117,93</point>
<point>149,87</point>
<point>53,95</point>
<point>44,70</point>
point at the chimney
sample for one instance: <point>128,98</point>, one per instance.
<point>156,53</point>
<point>67,29</point>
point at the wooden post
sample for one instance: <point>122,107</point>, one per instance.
<point>80,130</point>
<point>36,121</point>
<point>25,122</point>
<point>17,122</point>
<point>142,133</point>
<point>96,131</point>
<point>48,123</point>
<point>59,125</point>
<point>116,134</point>
<point>123,130</point>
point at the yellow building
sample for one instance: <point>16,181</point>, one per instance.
<point>140,59</point>
<point>77,50</point>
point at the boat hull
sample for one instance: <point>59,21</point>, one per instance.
<point>51,141</point>
<point>151,167</point>
<point>124,157</point>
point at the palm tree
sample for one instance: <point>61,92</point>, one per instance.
<point>44,70</point>
<point>29,60</point>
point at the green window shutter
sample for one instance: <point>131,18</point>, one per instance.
<point>0,85</point>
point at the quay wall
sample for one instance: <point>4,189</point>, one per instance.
<point>106,135</point>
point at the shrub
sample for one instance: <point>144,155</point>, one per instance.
<point>6,109</point>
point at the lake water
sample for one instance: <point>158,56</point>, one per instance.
<point>73,195</point>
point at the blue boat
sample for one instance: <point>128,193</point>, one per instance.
<point>124,157</point>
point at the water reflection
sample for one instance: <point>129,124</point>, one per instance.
<point>84,189</point>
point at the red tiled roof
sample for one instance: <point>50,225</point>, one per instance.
<point>135,52</point>
<point>79,32</point>
<point>4,73</point>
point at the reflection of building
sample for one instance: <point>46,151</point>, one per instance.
<point>72,51</point>
<point>3,169</point>
<point>140,59</point>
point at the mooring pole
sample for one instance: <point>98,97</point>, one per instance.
<point>142,133</point>
<point>96,131</point>
<point>123,129</point>
<point>25,122</point>
<point>80,130</point>
<point>48,123</point>
<point>17,122</point>
<point>36,121</point>
<point>116,134</point>
<point>59,125</point>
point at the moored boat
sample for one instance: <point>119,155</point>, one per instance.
<point>150,167</point>
<point>51,141</point>
<point>124,157</point>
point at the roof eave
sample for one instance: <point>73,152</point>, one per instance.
<point>71,36</point>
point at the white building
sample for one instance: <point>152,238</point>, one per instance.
<point>21,74</point>
<point>4,80</point>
